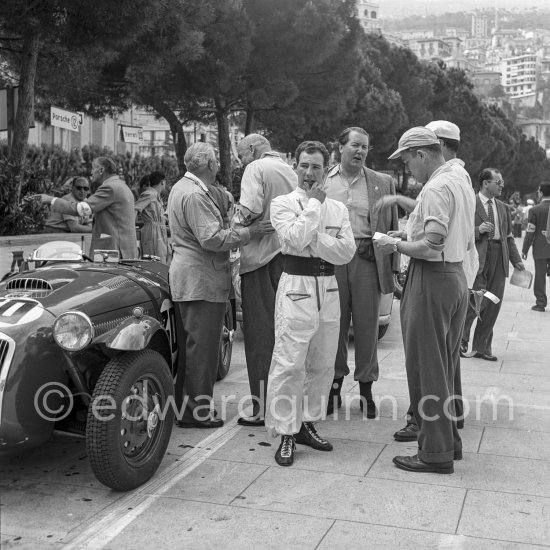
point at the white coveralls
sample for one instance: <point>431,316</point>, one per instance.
<point>307,310</point>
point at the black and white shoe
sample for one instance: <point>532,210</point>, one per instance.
<point>308,436</point>
<point>285,453</point>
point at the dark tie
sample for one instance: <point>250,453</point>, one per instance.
<point>491,216</point>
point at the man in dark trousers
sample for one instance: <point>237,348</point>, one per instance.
<point>199,282</point>
<point>266,176</point>
<point>362,281</point>
<point>435,298</point>
<point>536,236</point>
<point>496,249</point>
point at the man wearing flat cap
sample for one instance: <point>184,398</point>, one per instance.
<point>448,135</point>
<point>435,298</point>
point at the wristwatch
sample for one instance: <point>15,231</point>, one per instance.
<point>395,246</point>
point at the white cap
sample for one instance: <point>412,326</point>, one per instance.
<point>444,129</point>
<point>530,201</point>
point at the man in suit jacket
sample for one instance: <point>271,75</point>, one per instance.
<point>112,205</point>
<point>536,236</point>
<point>200,280</point>
<point>370,273</point>
<point>496,248</point>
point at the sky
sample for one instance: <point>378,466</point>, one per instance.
<point>398,8</point>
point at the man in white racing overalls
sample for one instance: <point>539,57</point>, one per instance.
<point>315,235</point>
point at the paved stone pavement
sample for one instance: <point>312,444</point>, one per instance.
<point>223,489</point>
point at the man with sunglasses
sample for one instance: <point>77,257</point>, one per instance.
<point>496,249</point>
<point>112,205</point>
<point>57,222</point>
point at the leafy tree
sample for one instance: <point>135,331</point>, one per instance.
<point>531,168</point>
<point>322,72</point>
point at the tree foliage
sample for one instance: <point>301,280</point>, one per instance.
<point>292,69</point>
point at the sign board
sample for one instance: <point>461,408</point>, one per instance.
<point>4,113</point>
<point>131,134</point>
<point>65,119</point>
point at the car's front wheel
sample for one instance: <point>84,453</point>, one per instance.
<point>382,329</point>
<point>129,419</point>
<point>226,343</point>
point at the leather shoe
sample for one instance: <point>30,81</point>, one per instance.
<point>308,436</point>
<point>285,453</point>
<point>414,464</point>
<point>486,356</point>
<point>538,308</point>
<point>463,349</point>
<point>408,433</point>
<point>334,397</point>
<point>201,424</point>
<point>250,421</point>
<point>365,389</point>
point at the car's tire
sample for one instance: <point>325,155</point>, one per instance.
<point>399,279</point>
<point>382,329</point>
<point>226,343</point>
<point>125,450</point>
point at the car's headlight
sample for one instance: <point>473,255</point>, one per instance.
<point>73,330</point>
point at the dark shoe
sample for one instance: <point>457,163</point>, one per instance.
<point>250,421</point>
<point>414,464</point>
<point>457,455</point>
<point>538,308</point>
<point>334,395</point>
<point>365,389</point>
<point>201,424</point>
<point>308,436</point>
<point>408,433</point>
<point>285,453</point>
<point>463,349</point>
<point>486,356</point>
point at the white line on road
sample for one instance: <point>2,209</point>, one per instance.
<point>125,510</point>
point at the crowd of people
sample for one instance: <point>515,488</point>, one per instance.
<point>319,245</point>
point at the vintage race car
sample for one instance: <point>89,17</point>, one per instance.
<point>90,347</point>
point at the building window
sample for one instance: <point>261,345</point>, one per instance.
<point>373,15</point>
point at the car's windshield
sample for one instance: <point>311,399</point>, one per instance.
<point>58,250</point>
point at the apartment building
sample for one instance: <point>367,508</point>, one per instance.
<point>519,75</point>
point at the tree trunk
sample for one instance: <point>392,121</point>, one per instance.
<point>224,142</point>
<point>176,127</point>
<point>25,108</point>
<point>249,124</point>
<point>405,182</point>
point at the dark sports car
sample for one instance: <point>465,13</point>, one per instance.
<point>90,347</point>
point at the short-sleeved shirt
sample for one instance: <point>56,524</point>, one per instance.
<point>446,200</point>
<point>263,180</point>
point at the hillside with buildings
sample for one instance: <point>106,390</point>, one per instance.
<point>505,53</point>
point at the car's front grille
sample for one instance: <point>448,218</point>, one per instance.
<point>7,349</point>
<point>4,346</point>
<point>25,283</point>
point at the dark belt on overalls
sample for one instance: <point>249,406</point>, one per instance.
<point>310,267</point>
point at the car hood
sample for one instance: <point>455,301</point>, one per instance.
<point>93,290</point>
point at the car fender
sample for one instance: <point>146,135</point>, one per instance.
<point>132,334</point>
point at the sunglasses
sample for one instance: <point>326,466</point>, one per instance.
<point>82,188</point>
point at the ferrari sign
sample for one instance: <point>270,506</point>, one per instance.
<point>131,134</point>
<point>65,119</point>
